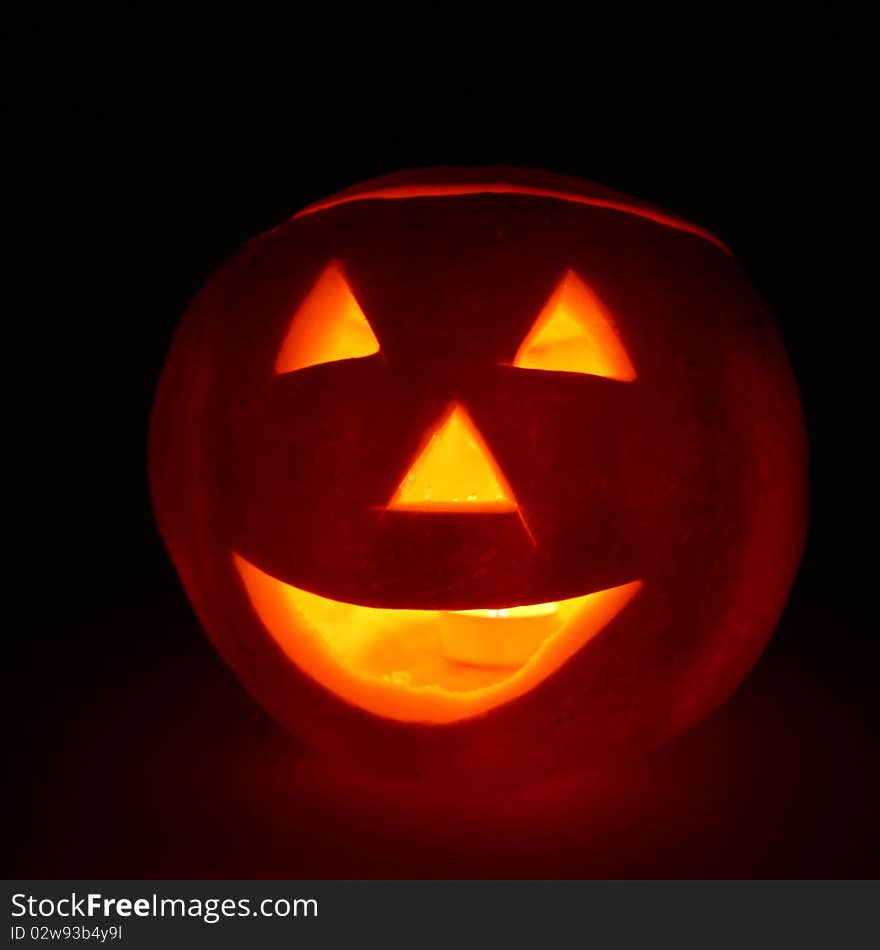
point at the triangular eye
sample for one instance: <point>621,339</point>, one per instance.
<point>329,325</point>
<point>574,333</point>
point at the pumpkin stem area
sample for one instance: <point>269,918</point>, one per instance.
<point>426,665</point>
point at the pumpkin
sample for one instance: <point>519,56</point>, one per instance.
<point>481,472</point>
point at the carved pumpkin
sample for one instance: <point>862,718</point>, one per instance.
<point>481,472</point>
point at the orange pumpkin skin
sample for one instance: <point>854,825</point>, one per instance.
<point>691,477</point>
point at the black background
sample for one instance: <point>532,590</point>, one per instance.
<point>148,146</point>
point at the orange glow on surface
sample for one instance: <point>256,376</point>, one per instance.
<point>428,666</point>
<point>454,471</point>
<point>329,325</point>
<point>502,188</point>
<point>574,333</point>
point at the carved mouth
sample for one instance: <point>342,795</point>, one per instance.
<point>433,666</point>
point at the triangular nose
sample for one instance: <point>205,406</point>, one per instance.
<point>454,472</point>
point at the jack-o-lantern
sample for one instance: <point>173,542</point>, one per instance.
<point>482,471</point>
